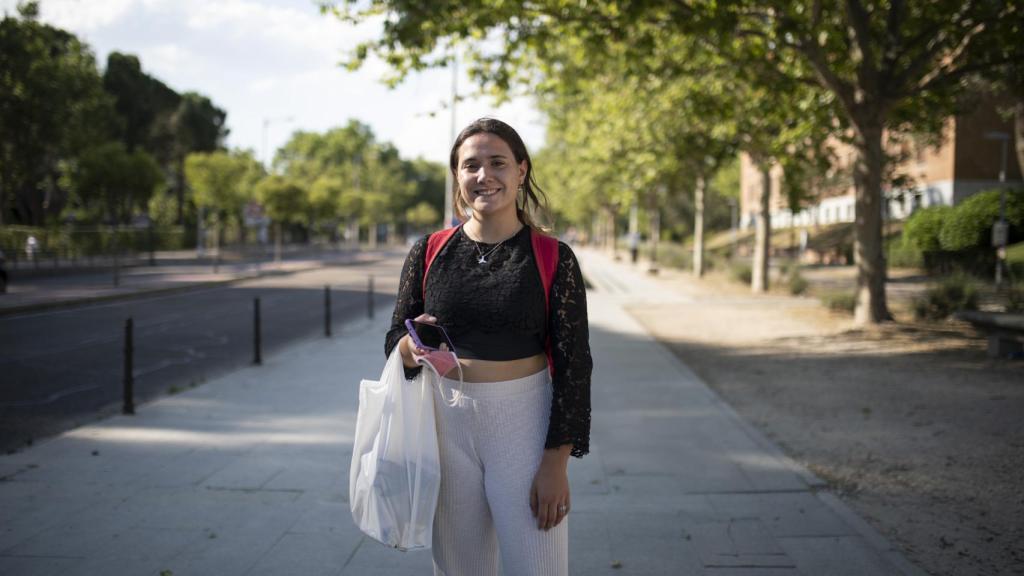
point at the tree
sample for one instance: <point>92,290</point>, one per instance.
<point>142,102</point>
<point>351,177</point>
<point>197,125</point>
<point>889,67</point>
<point>52,106</point>
<point>284,201</point>
<point>111,184</point>
<point>222,183</point>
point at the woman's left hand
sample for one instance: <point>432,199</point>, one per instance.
<point>549,495</point>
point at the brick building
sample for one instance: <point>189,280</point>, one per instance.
<point>965,163</point>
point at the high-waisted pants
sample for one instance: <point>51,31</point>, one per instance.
<point>491,444</point>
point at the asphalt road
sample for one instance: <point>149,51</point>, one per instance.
<point>61,368</point>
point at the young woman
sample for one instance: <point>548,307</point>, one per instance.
<point>505,446</point>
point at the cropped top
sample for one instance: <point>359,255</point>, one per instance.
<point>495,311</point>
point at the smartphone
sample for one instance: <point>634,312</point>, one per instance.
<point>428,336</point>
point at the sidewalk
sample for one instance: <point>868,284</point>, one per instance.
<point>248,474</point>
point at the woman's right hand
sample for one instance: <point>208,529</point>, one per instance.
<point>408,348</point>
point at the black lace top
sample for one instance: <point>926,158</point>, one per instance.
<point>503,298</point>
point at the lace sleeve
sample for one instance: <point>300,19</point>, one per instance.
<point>410,299</point>
<point>570,354</point>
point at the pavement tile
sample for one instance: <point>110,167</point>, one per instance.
<point>836,556</point>
<point>652,543</point>
<point>319,554</point>
<point>36,565</point>
<point>738,544</point>
<point>372,558</point>
<point>783,513</point>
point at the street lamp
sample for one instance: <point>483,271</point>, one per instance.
<point>449,183</point>
<point>1000,229</point>
<point>266,124</point>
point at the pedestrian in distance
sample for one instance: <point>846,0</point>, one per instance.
<point>513,303</point>
<point>31,247</point>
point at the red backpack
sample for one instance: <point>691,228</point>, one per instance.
<point>545,253</point>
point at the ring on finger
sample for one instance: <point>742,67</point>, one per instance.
<point>563,509</point>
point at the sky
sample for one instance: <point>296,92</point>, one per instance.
<point>277,62</point>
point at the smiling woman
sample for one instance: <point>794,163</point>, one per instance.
<point>512,300</point>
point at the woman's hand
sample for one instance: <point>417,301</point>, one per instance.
<point>409,350</point>
<point>549,495</point>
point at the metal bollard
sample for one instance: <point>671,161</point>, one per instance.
<point>257,358</point>
<point>369,299</point>
<point>129,381</point>
<point>327,311</point>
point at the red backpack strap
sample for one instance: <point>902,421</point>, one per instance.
<point>435,243</point>
<point>545,253</point>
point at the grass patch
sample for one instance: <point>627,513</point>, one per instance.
<point>956,292</point>
<point>741,273</point>
<point>839,301</point>
<point>796,283</point>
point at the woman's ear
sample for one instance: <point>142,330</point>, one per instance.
<point>523,168</point>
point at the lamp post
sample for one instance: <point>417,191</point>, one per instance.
<point>999,229</point>
<point>449,183</point>
<point>266,125</point>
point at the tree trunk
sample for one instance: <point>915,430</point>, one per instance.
<point>654,223</point>
<point>867,251</point>
<point>179,190</point>
<point>277,242</point>
<point>1018,129</point>
<point>762,234</point>
<point>372,235</point>
<point>611,233</point>
<point>698,228</point>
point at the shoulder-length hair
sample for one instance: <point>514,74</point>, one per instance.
<point>531,205</point>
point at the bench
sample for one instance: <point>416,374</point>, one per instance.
<point>1005,331</point>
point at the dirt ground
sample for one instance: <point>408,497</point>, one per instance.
<point>910,423</point>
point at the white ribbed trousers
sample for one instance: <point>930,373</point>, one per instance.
<point>491,445</point>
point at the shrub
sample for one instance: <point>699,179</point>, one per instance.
<point>840,301</point>
<point>1015,300</point>
<point>923,227</point>
<point>956,292</point>
<point>742,273</point>
<point>903,255</point>
<point>969,224</point>
<point>797,283</point>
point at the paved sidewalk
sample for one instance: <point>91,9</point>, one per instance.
<point>248,474</point>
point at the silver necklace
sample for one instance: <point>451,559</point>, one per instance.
<point>483,257</point>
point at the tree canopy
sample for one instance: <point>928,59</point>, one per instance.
<point>873,68</point>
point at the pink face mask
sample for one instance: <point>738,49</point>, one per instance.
<point>443,362</point>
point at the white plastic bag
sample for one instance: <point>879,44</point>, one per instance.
<point>395,474</point>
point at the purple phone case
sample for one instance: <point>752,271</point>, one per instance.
<point>416,338</point>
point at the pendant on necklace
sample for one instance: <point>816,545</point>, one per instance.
<point>481,260</point>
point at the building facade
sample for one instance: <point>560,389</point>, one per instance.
<point>967,161</point>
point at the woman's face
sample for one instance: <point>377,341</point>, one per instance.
<point>489,177</point>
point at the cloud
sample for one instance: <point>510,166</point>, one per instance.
<point>300,29</point>
<point>82,15</point>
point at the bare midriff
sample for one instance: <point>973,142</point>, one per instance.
<point>497,371</point>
